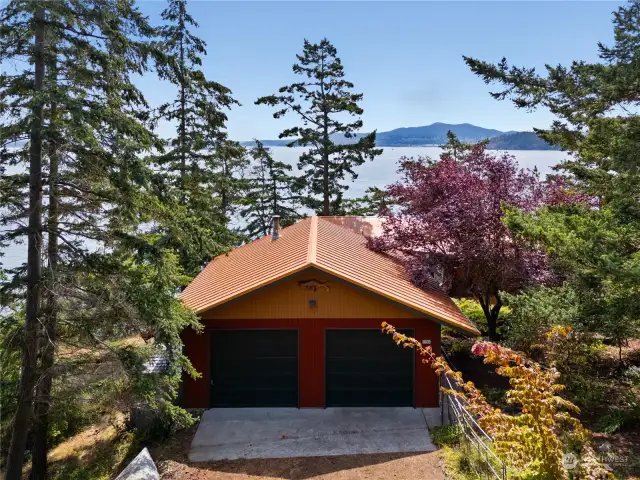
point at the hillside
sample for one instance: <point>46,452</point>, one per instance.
<point>436,134</point>
<point>520,141</point>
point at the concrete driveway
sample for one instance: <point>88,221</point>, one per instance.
<point>232,433</point>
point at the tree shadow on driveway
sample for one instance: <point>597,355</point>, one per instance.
<point>379,466</point>
<point>173,463</point>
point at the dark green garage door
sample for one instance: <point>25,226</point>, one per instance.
<point>365,368</point>
<point>254,368</point>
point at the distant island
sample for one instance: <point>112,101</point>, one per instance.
<point>436,134</point>
<point>520,141</point>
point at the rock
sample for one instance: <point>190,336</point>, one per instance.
<point>140,468</point>
<point>143,417</point>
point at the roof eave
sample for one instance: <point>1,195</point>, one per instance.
<point>458,326</point>
<point>468,329</point>
<point>246,291</point>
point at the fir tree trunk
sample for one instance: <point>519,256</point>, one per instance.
<point>47,347</point>
<point>325,151</point>
<point>183,117</point>
<point>274,197</point>
<point>325,173</point>
<point>224,197</point>
<point>34,271</point>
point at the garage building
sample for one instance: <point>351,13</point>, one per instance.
<point>293,320</point>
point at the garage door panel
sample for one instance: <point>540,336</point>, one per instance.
<point>365,368</point>
<point>279,342</point>
<point>376,366</point>
<point>264,381</point>
<point>390,381</point>
<point>252,368</point>
<point>371,397</point>
<point>242,397</point>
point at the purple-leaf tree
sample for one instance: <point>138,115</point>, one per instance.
<point>449,225</point>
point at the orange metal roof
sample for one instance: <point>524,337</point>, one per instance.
<point>336,245</point>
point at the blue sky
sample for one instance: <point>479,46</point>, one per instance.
<point>406,57</point>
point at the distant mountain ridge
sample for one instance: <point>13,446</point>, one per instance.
<point>436,134</point>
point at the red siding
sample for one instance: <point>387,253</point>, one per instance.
<point>311,358</point>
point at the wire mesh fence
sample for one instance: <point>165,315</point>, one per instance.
<point>474,441</point>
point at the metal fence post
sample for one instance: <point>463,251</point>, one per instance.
<point>472,435</point>
<point>442,399</point>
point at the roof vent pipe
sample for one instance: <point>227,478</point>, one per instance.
<point>275,228</point>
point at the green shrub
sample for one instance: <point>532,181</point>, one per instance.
<point>586,391</point>
<point>534,311</point>
<point>497,397</point>
<point>625,414</point>
<point>10,362</point>
<point>460,345</point>
<point>473,311</point>
<point>633,376</point>
<point>82,404</point>
<point>610,422</point>
<point>442,435</point>
<point>463,462</point>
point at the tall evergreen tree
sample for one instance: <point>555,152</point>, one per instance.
<point>374,202</point>
<point>322,101</point>
<point>200,166</point>
<point>84,123</point>
<point>270,192</point>
<point>50,303</point>
<point>455,148</point>
<point>31,122</point>
<point>595,244</point>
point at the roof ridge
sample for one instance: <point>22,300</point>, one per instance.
<point>351,231</point>
<point>313,240</point>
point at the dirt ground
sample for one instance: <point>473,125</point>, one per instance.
<point>173,464</point>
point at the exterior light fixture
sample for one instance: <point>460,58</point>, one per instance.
<point>313,303</point>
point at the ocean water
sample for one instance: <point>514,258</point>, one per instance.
<point>380,172</point>
<point>383,170</point>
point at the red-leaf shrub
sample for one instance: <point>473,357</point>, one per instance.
<point>449,223</point>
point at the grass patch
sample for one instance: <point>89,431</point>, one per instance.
<point>95,453</point>
<point>464,463</point>
<point>445,435</point>
<point>459,460</point>
<point>105,458</point>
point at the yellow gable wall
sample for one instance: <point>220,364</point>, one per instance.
<point>287,299</point>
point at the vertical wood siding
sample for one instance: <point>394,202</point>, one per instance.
<point>286,299</point>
